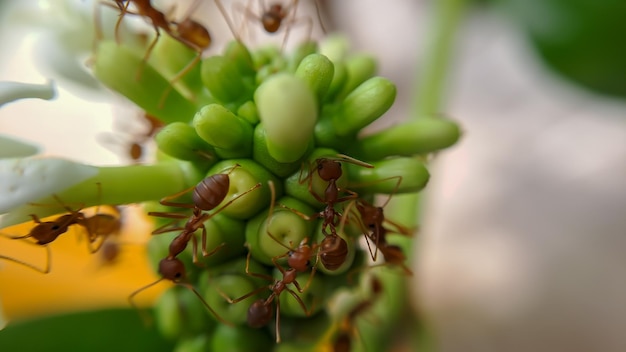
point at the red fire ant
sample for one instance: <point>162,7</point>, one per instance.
<point>188,32</point>
<point>207,195</point>
<point>298,261</point>
<point>99,225</point>
<point>372,221</point>
<point>274,17</point>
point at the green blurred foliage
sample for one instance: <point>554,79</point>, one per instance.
<point>107,330</point>
<point>582,40</point>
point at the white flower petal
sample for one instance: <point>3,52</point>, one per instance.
<point>13,148</point>
<point>30,179</point>
<point>12,91</point>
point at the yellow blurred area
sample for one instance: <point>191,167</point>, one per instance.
<point>78,280</point>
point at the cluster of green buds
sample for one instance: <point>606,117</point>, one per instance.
<point>265,117</point>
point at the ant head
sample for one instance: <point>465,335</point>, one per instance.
<point>259,314</point>
<point>172,269</point>
<point>328,169</point>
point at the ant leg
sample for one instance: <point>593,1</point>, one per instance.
<point>319,17</point>
<point>190,287</point>
<point>144,316</point>
<point>166,201</point>
<point>227,18</point>
<point>178,76</point>
<point>45,270</point>
<point>294,5</point>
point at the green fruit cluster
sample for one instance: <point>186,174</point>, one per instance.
<point>265,117</point>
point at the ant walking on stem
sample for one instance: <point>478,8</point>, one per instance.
<point>97,226</point>
<point>298,261</point>
<point>207,195</point>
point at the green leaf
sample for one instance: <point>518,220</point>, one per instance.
<point>580,39</point>
<point>107,330</point>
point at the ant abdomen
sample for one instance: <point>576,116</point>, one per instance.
<point>259,314</point>
<point>333,252</point>
<point>211,191</point>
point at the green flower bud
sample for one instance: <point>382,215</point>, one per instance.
<point>170,56</point>
<point>303,50</point>
<point>220,230</point>
<point>181,141</point>
<point>409,138</point>
<point>302,333</point>
<point>286,226</point>
<point>180,313</point>
<point>326,134</point>
<point>222,78</point>
<point>248,112</point>
<point>288,111</point>
<point>386,174</point>
<point>239,54</point>
<point>364,105</point>
<point>335,47</point>
<point>199,343</point>
<point>122,70</point>
<point>318,72</point>
<point>240,339</point>
<point>242,179</point>
<point>297,185</point>
<point>232,286</point>
<point>265,55</point>
<point>230,279</point>
<point>278,64</point>
<point>340,77</point>
<point>359,69</point>
<point>262,156</point>
<point>227,132</point>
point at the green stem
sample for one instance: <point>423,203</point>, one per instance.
<point>429,100</point>
<point>117,185</point>
<point>432,81</point>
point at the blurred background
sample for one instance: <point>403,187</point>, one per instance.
<point>523,242</point>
